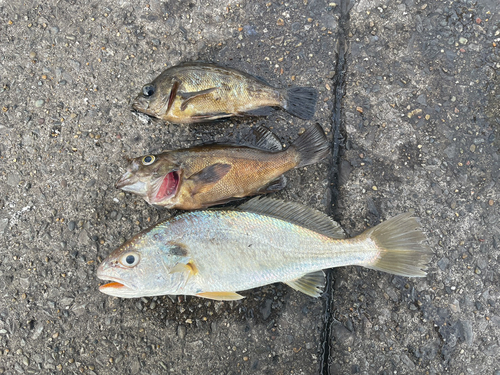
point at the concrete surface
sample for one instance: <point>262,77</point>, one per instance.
<point>420,121</point>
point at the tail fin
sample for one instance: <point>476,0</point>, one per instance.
<point>312,146</point>
<point>402,251</point>
<point>301,102</point>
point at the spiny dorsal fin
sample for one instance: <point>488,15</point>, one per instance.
<point>311,284</point>
<point>294,213</point>
<point>261,137</point>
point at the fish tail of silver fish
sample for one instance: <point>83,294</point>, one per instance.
<point>401,247</point>
<point>301,101</point>
<point>312,146</point>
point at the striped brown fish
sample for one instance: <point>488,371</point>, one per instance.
<point>199,92</point>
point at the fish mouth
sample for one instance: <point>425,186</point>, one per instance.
<point>112,285</point>
<point>140,104</point>
<point>129,182</point>
<point>168,187</point>
<point>115,287</point>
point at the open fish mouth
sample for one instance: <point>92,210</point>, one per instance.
<point>115,287</point>
<point>168,188</point>
<point>124,180</point>
<point>112,285</point>
<point>130,182</point>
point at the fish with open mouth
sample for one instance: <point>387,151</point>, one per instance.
<point>199,92</point>
<point>207,175</point>
<point>216,253</point>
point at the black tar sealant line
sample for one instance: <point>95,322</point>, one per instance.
<point>337,117</point>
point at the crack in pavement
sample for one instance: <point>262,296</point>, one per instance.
<point>338,90</point>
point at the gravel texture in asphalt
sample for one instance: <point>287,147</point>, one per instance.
<point>419,121</point>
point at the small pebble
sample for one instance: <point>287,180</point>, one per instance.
<point>39,103</point>
<point>32,55</point>
<point>181,331</point>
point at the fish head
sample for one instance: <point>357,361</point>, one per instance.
<point>156,178</point>
<point>141,267</point>
<point>156,97</point>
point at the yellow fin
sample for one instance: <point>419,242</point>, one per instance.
<point>402,248</point>
<point>189,267</point>
<point>311,284</point>
<point>221,296</point>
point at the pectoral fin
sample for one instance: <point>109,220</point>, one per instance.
<point>188,96</point>
<point>189,268</point>
<point>311,284</point>
<point>221,296</point>
<point>205,179</point>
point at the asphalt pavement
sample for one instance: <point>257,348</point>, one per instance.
<point>410,87</point>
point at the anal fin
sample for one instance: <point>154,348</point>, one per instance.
<point>275,185</point>
<point>311,284</point>
<point>262,111</point>
<point>221,296</point>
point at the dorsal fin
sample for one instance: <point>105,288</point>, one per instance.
<point>263,138</point>
<point>294,213</point>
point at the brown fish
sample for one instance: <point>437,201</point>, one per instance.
<point>212,174</point>
<point>197,92</point>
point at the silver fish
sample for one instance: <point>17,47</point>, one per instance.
<point>215,253</point>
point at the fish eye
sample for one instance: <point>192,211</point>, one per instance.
<point>148,90</point>
<point>148,159</point>
<point>130,259</point>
